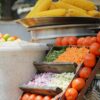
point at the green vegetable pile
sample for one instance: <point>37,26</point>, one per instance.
<point>53,55</point>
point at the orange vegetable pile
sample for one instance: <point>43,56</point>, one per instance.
<point>89,63</point>
<point>28,96</point>
<point>73,54</point>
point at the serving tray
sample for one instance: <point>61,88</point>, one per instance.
<point>41,90</point>
<point>49,21</point>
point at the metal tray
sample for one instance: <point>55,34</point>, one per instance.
<point>58,67</point>
<point>55,67</point>
<point>41,90</point>
<point>49,21</point>
<point>95,29</point>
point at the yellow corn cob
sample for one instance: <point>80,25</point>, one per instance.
<point>51,13</point>
<point>40,6</point>
<point>52,6</point>
<point>93,13</point>
<point>98,15</point>
<point>84,4</point>
<point>76,13</point>
<point>61,4</point>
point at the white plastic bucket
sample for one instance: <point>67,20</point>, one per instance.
<point>16,67</point>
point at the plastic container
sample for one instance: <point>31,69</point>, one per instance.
<point>16,67</point>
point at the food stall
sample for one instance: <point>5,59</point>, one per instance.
<point>68,34</point>
<point>70,53</point>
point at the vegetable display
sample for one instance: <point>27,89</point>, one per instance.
<point>50,8</point>
<point>84,51</point>
<point>55,80</point>
<point>73,54</point>
<point>54,55</point>
<point>89,63</point>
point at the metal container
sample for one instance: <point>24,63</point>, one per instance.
<point>49,33</point>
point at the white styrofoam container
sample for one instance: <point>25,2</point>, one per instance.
<point>16,67</point>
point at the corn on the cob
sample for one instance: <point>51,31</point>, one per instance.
<point>51,13</point>
<point>40,6</point>
<point>52,6</point>
<point>93,13</point>
<point>98,15</point>
<point>84,4</point>
<point>61,4</point>
<point>76,13</point>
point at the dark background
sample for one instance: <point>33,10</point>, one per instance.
<point>6,11</point>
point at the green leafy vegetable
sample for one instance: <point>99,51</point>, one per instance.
<point>53,55</point>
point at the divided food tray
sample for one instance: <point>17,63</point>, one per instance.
<point>55,67</point>
<point>61,96</point>
<point>56,92</point>
<point>51,91</point>
<point>47,67</point>
<point>41,90</point>
<point>58,67</point>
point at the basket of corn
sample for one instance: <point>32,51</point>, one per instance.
<point>60,8</point>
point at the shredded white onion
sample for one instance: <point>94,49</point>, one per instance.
<point>52,80</point>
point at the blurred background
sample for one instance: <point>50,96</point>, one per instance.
<point>13,9</point>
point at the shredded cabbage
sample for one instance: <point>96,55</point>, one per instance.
<point>52,80</point>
